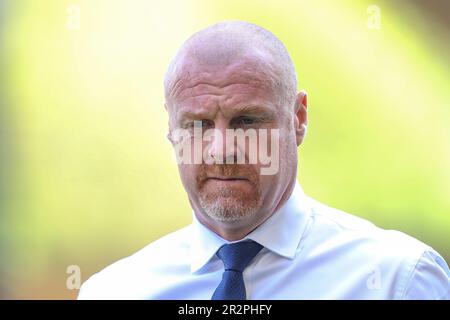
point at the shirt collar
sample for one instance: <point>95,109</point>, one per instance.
<point>281,233</point>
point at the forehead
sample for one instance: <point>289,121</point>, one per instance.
<point>203,89</point>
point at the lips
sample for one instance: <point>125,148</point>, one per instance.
<point>227,178</point>
<point>229,181</point>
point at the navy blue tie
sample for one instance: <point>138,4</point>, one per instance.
<point>235,257</point>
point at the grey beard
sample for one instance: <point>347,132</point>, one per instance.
<point>229,209</point>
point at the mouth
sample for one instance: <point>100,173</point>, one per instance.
<point>239,182</point>
<point>227,178</point>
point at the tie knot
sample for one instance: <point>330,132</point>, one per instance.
<point>236,256</point>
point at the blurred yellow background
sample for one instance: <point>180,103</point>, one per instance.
<point>88,177</point>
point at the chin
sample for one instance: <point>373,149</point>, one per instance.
<point>229,209</point>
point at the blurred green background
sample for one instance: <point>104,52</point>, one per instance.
<point>87,176</point>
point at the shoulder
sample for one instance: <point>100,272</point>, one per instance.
<point>412,268</point>
<point>429,279</point>
<point>121,279</point>
<point>336,225</point>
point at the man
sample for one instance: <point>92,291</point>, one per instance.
<point>255,234</point>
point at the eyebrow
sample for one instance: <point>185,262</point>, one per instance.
<point>254,110</point>
<point>191,114</point>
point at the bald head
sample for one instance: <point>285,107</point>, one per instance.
<point>252,48</point>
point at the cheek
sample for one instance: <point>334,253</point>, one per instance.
<point>288,142</point>
<point>189,175</point>
<point>192,176</point>
<point>269,187</point>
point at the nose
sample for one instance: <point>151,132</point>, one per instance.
<point>221,150</point>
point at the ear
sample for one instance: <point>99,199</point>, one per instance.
<point>301,116</point>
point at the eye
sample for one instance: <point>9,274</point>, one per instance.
<point>245,120</point>
<point>197,124</point>
<point>204,123</point>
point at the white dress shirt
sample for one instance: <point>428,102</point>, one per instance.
<point>311,251</point>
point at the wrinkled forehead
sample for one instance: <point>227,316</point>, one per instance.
<point>245,75</point>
